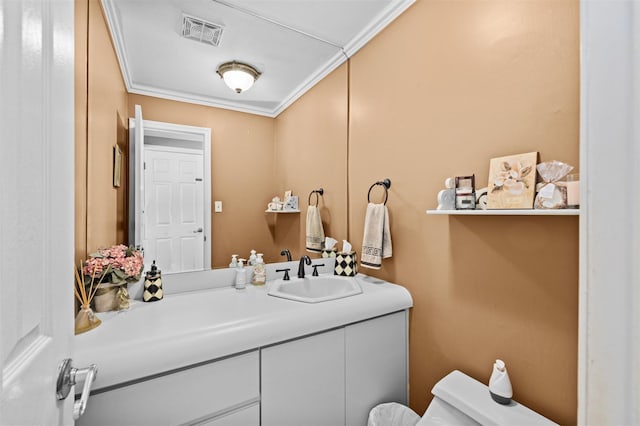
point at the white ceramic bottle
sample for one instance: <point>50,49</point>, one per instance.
<point>499,383</point>
<point>241,275</point>
<point>252,258</point>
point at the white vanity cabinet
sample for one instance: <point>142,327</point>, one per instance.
<point>220,357</point>
<point>303,381</point>
<point>336,377</point>
<point>377,365</point>
<point>222,392</point>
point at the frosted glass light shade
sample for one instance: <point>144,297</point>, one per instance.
<point>238,80</point>
<point>238,76</point>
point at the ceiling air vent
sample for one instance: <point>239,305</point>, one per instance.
<point>201,30</point>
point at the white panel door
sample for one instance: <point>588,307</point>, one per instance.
<point>36,208</point>
<point>174,216</point>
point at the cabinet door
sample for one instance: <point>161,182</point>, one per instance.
<point>376,365</point>
<point>303,381</point>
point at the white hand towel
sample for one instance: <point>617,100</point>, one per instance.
<point>376,244</point>
<point>315,232</point>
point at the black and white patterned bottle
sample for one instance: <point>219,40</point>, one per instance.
<point>153,284</point>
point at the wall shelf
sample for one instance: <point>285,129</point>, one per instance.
<point>514,212</point>
<point>282,211</point>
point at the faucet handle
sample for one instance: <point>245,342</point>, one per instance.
<point>315,269</point>
<point>286,273</point>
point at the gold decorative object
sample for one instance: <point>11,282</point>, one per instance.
<point>86,319</point>
<point>106,298</point>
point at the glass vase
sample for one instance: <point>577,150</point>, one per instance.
<point>86,320</point>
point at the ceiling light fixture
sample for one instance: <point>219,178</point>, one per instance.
<point>238,76</point>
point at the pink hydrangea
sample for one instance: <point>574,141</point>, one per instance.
<point>126,264</point>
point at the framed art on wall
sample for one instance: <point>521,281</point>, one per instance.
<point>512,181</point>
<point>117,165</point>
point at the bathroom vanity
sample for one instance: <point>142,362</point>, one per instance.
<point>228,357</point>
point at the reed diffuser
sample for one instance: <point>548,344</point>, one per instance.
<point>86,319</point>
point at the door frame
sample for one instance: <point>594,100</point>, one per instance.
<point>609,312</point>
<point>187,133</point>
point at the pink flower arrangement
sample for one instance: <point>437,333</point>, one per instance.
<point>126,264</point>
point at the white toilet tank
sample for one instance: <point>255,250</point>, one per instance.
<point>462,400</point>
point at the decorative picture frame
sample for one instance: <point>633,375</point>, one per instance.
<point>117,165</point>
<point>512,181</point>
<point>291,203</point>
<point>465,187</point>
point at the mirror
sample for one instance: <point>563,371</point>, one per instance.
<point>253,157</point>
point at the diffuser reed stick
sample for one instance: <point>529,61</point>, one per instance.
<point>85,297</point>
<point>86,318</point>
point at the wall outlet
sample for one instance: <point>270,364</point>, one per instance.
<point>217,206</point>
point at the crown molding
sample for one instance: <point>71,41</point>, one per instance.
<point>376,26</point>
<point>360,40</point>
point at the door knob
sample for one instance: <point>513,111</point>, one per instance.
<point>69,376</point>
<point>198,230</point>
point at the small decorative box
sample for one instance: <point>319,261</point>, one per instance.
<point>346,264</point>
<point>329,253</point>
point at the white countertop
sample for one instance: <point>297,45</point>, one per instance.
<point>197,326</point>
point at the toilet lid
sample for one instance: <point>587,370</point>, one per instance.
<point>473,399</point>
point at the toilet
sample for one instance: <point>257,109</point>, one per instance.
<point>458,400</point>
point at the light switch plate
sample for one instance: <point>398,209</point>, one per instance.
<point>217,206</point>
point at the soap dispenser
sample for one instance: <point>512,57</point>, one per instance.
<point>153,284</point>
<point>499,383</point>
<point>234,261</point>
<point>259,273</point>
<point>252,258</point>
<point>241,275</point>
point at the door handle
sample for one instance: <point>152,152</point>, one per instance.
<point>198,230</point>
<point>69,376</point>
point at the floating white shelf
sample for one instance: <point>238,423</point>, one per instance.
<point>282,211</point>
<point>514,212</point>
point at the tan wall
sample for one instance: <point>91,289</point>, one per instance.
<point>101,106</point>
<point>478,80</point>
<point>311,147</point>
<point>242,173</point>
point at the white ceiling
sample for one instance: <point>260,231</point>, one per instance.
<point>293,43</point>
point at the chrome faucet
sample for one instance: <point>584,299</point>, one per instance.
<point>303,260</point>
<point>286,252</point>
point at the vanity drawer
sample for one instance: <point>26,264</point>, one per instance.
<point>181,397</point>
<point>246,417</point>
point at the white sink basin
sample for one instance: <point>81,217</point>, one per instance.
<point>316,289</point>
